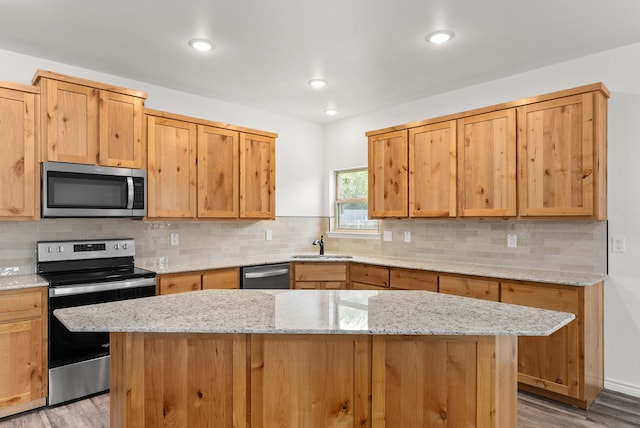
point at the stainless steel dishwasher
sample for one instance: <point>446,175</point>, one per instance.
<point>273,276</point>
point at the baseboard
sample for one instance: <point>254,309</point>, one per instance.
<point>622,387</point>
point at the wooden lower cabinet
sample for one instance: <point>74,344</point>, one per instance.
<point>444,381</point>
<point>478,288</point>
<point>368,277</point>
<point>23,350</point>
<point>312,381</point>
<point>319,276</point>
<point>567,366</point>
<point>179,282</point>
<point>178,380</point>
<point>171,283</point>
<point>411,279</point>
<point>221,278</point>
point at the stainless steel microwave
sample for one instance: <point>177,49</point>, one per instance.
<point>77,190</point>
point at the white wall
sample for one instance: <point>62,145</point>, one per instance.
<point>619,69</point>
<point>298,147</point>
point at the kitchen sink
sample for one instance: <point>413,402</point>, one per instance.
<point>324,256</point>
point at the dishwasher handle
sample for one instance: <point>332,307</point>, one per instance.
<point>266,273</point>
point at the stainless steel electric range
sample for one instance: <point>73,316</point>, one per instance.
<point>83,273</point>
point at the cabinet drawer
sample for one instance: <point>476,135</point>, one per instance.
<point>221,278</point>
<point>554,297</point>
<point>21,304</point>
<point>369,274</point>
<point>179,283</point>
<point>409,279</point>
<point>470,287</point>
<point>320,271</point>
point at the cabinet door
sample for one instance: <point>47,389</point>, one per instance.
<point>21,369</point>
<point>389,175</point>
<point>470,287</point>
<point>556,163</point>
<point>432,170</point>
<point>121,123</point>
<point>551,363</point>
<point>179,283</point>
<point>409,279</point>
<point>23,351</point>
<point>218,185</point>
<point>17,163</point>
<point>221,278</point>
<point>71,118</point>
<point>487,164</point>
<point>171,187</point>
<point>362,274</point>
<point>257,176</point>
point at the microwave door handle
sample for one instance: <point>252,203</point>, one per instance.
<point>130,193</point>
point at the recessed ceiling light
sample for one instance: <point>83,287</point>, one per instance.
<point>439,36</point>
<point>201,45</point>
<point>317,83</point>
<point>331,111</point>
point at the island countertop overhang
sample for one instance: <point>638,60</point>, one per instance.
<point>315,312</point>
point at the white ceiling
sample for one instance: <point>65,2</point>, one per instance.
<point>372,52</point>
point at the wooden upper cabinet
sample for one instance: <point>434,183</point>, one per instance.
<point>90,122</point>
<point>560,157</point>
<point>218,177</point>
<point>171,186</point>
<point>432,170</point>
<point>18,192</point>
<point>257,176</point>
<point>121,125</point>
<point>389,175</point>
<point>487,164</point>
<point>70,113</point>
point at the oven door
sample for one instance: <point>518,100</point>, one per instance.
<point>66,347</point>
<point>79,362</point>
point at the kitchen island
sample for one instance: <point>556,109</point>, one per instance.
<point>347,358</point>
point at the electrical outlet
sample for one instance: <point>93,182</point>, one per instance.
<point>268,235</point>
<point>512,240</point>
<point>175,238</point>
<point>618,244</point>
<point>387,235</point>
<point>407,236</point>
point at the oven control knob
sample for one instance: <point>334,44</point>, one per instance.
<point>125,246</point>
<point>116,246</point>
<point>49,250</point>
<point>61,249</point>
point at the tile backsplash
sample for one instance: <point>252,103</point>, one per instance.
<point>575,246</point>
<point>557,245</point>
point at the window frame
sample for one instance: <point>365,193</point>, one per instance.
<point>337,202</point>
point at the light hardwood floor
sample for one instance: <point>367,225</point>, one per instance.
<point>610,410</point>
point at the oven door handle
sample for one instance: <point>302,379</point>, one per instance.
<point>69,290</point>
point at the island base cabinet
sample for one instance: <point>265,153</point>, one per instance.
<point>435,381</point>
<point>178,380</point>
<point>312,381</point>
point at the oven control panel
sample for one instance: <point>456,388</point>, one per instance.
<point>50,251</point>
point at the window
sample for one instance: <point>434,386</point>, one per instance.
<point>351,209</point>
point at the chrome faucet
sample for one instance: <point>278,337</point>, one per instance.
<point>321,243</point>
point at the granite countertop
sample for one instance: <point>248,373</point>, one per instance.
<point>14,282</point>
<point>162,266</point>
<point>314,312</point>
